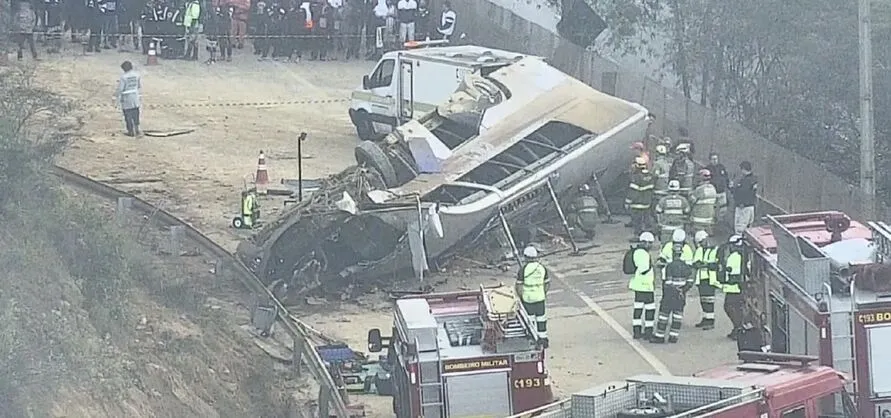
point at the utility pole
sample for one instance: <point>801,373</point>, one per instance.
<point>867,130</point>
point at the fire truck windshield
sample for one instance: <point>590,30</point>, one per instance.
<point>836,405</point>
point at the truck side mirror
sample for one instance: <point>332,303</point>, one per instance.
<point>375,342</point>
<point>365,82</point>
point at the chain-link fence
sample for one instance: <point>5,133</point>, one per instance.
<point>787,180</point>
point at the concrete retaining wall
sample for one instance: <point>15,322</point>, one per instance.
<point>788,180</point>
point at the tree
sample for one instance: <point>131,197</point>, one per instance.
<point>786,69</point>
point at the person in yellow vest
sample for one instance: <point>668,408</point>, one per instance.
<point>250,209</point>
<point>705,261</point>
<point>703,203</point>
<point>642,283</point>
<point>733,274</point>
<point>678,239</point>
<point>532,286</point>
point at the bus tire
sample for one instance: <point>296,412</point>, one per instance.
<point>372,156</point>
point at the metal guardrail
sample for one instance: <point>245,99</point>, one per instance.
<point>304,351</point>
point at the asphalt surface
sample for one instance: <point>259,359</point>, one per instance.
<point>589,311</point>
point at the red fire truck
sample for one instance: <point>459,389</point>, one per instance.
<point>818,286</point>
<point>463,354</point>
<point>764,385</point>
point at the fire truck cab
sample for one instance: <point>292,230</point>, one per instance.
<point>463,354</point>
<point>818,285</point>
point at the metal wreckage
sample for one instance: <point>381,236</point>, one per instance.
<point>503,148</point>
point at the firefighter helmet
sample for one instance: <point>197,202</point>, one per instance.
<point>735,239</point>
<point>640,162</point>
<point>682,148</point>
<point>674,185</point>
<point>661,149</point>
<point>638,146</point>
<point>705,173</point>
<point>678,236</point>
<point>530,252</point>
<point>700,236</point>
<point>647,236</point>
<point>584,188</point>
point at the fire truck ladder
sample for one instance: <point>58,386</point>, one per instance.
<point>842,336</point>
<point>432,395</point>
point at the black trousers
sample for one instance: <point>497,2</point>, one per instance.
<point>671,310</point>
<point>707,303</point>
<point>131,119</point>
<point>644,316</point>
<point>25,38</point>
<point>537,313</point>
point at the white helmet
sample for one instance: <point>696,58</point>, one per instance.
<point>674,185</point>
<point>700,236</point>
<point>735,239</point>
<point>678,235</point>
<point>530,252</point>
<point>647,237</point>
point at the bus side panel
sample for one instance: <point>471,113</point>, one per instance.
<point>434,82</point>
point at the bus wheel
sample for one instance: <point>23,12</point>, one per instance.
<point>372,156</point>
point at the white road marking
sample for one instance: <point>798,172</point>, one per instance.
<point>654,362</point>
<point>551,292</point>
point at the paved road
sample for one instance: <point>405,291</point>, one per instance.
<point>590,323</point>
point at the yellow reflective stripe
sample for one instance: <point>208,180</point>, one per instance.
<point>703,220</point>
<point>634,186</point>
<point>639,206</point>
<point>647,187</point>
<point>706,201</point>
<point>674,212</point>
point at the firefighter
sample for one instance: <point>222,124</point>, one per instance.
<point>678,279</point>
<point>679,240</point>
<point>672,211</point>
<point>191,16</point>
<point>702,203</point>
<point>586,211</point>
<point>250,209</point>
<point>705,262</point>
<point>682,169</point>
<point>640,151</point>
<point>532,286</point>
<point>733,275</point>
<point>642,283</point>
<point>640,196</point>
<point>661,171</point>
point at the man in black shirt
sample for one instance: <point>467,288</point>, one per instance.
<point>721,181</point>
<point>744,195</point>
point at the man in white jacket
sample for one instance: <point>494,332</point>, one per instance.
<point>446,22</point>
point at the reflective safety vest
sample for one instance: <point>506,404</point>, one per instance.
<point>733,269</point>
<point>666,255</point>
<point>672,210</point>
<point>247,205</point>
<point>640,191</point>
<point>703,201</point>
<point>661,172</point>
<point>706,256</point>
<point>534,276</point>
<point>644,278</point>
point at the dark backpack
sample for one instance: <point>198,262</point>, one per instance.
<point>628,266</point>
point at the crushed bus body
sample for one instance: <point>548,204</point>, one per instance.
<point>504,148</point>
<point>819,286</point>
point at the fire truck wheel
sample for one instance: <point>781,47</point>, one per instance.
<point>372,156</point>
<point>647,412</point>
<point>237,222</point>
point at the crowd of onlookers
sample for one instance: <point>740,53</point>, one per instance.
<point>278,29</point>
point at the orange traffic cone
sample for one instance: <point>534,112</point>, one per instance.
<point>152,57</point>
<point>261,181</point>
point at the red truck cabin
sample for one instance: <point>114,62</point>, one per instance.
<point>457,355</point>
<point>789,392</point>
<point>800,290</point>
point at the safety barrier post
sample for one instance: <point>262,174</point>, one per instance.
<point>323,402</point>
<point>123,207</point>
<point>299,343</point>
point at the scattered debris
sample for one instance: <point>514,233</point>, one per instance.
<point>167,134</point>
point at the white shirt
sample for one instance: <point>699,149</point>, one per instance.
<point>381,9</point>
<point>407,5</point>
